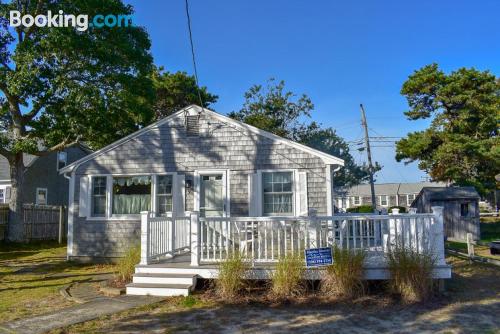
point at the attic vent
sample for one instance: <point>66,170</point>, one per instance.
<point>192,126</point>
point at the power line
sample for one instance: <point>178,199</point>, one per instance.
<point>192,53</point>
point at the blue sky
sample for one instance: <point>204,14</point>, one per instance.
<point>341,54</point>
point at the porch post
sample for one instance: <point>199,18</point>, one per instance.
<point>144,238</point>
<point>195,239</point>
<point>312,230</point>
<point>438,235</point>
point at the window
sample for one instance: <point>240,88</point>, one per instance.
<point>410,198</point>
<point>131,195</point>
<point>2,195</point>
<point>383,200</point>
<point>98,196</point>
<point>464,209</point>
<point>164,193</point>
<point>278,193</point>
<point>62,160</point>
<point>343,203</point>
<point>357,200</point>
<point>41,196</point>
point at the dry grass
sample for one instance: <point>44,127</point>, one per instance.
<point>345,276</point>
<point>231,277</point>
<point>286,281</point>
<point>126,265</point>
<point>411,273</point>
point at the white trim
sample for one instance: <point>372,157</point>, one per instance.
<point>327,158</point>
<point>260,194</point>
<point>329,190</point>
<point>225,187</point>
<point>46,196</point>
<point>380,200</point>
<point>71,208</point>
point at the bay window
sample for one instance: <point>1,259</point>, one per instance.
<point>277,193</point>
<point>131,195</point>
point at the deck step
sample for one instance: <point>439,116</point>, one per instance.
<point>162,278</point>
<point>163,290</point>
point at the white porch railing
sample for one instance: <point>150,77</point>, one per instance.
<point>266,239</point>
<point>163,236</point>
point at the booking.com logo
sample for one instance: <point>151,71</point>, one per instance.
<point>80,22</point>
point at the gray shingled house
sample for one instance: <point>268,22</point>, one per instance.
<point>387,195</point>
<point>195,160</point>
<point>42,182</point>
<point>461,209</point>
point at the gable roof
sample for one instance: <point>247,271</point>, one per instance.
<point>327,158</point>
<point>28,160</point>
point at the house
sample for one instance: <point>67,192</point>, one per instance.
<point>461,209</point>
<point>387,195</point>
<point>42,182</point>
<point>194,160</point>
<point>197,186</point>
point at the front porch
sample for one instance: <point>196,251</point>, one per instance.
<point>177,250</point>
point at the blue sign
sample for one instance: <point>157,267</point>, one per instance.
<point>316,257</point>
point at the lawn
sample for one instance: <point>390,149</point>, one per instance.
<point>470,305</point>
<point>31,276</point>
<point>490,228</point>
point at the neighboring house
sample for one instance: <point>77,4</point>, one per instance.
<point>42,182</point>
<point>386,195</point>
<point>461,209</point>
<point>195,160</point>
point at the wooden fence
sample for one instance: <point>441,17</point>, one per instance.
<point>4,219</point>
<point>41,222</point>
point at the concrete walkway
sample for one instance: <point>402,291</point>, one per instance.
<point>95,307</point>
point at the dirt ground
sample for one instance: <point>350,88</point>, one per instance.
<point>470,305</point>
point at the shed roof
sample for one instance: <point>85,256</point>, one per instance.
<point>391,188</point>
<point>449,193</point>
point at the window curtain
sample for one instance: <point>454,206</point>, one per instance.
<point>131,204</point>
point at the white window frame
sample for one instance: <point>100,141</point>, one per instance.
<point>109,196</point>
<point>46,196</point>
<point>65,159</point>
<point>358,198</point>
<point>408,202</point>
<point>386,200</point>
<point>294,191</point>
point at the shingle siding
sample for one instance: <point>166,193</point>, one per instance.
<point>168,149</point>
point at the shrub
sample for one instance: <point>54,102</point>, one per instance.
<point>345,276</point>
<point>286,281</point>
<point>231,276</point>
<point>411,273</point>
<point>361,209</point>
<point>402,209</point>
<point>126,265</point>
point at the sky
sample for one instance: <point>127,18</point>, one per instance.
<point>340,54</point>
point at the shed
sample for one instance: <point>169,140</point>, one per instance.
<point>461,209</point>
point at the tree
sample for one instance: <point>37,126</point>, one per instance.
<point>175,91</point>
<point>61,85</point>
<point>461,144</point>
<point>278,111</point>
<point>273,109</point>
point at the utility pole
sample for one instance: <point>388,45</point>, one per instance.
<point>369,153</point>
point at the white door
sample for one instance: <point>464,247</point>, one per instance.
<point>213,194</point>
